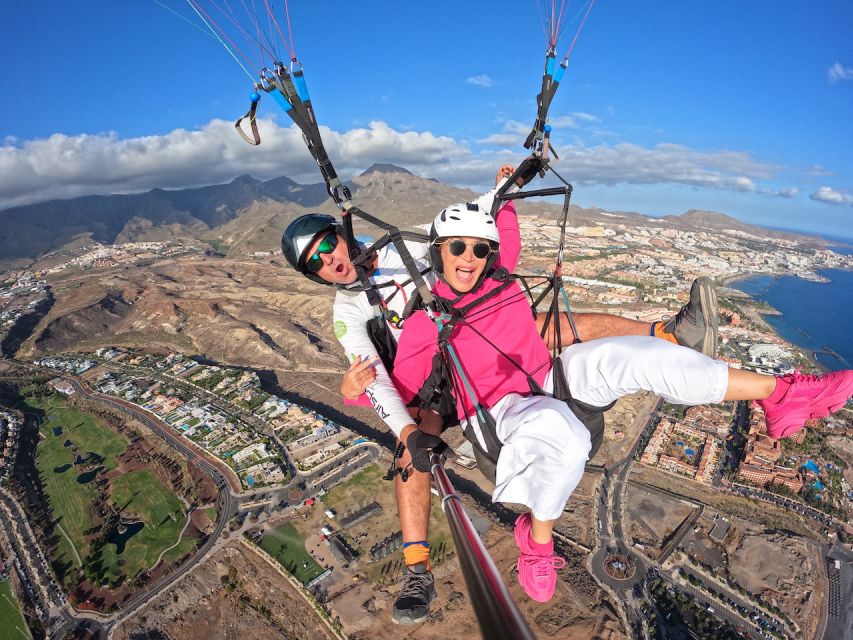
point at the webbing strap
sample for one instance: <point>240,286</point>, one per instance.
<point>500,275</point>
<point>539,138</point>
<point>488,425</point>
<point>292,93</point>
<point>250,114</point>
<point>395,236</point>
<point>526,171</point>
<point>372,294</point>
<point>446,321</point>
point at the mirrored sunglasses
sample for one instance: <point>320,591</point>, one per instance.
<point>480,249</point>
<point>327,245</point>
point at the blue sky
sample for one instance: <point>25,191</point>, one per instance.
<point>740,107</point>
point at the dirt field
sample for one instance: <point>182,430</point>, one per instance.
<point>577,609</point>
<point>234,594</point>
<point>699,545</point>
<point>784,570</point>
<point>361,594</point>
<point>653,517</point>
<point>628,417</point>
<point>771,516</point>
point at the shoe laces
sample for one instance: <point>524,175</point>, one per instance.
<point>802,378</point>
<point>416,585</point>
<point>542,565</point>
<point>686,313</point>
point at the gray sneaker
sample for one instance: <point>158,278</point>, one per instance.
<point>412,605</point>
<point>695,326</point>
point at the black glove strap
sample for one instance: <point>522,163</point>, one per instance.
<point>421,446</point>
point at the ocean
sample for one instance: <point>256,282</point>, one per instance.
<point>815,316</point>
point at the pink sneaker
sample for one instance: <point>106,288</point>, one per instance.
<point>799,397</point>
<point>537,573</point>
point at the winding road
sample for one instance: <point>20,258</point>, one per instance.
<point>60,617</point>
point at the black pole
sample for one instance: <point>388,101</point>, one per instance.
<point>497,614</point>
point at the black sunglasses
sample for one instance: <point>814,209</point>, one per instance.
<point>327,245</point>
<point>480,249</point>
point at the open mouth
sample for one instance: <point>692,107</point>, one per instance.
<point>465,276</point>
<point>340,269</point>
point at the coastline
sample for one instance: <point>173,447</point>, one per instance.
<point>759,308</point>
<point>727,281</point>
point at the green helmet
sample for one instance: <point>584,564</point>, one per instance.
<point>300,235</point>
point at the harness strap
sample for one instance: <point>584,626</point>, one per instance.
<point>499,275</point>
<point>250,114</point>
<point>488,425</point>
<point>446,321</point>
<point>291,92</point>
<point>543,102</point>
<point>373,296</point>
<point>395,236</point>
<point>381,285</point>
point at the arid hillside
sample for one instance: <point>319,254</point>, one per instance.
<point>254,313</point>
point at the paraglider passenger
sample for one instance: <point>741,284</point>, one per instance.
<point>315,246</point>
<point>544,445</point>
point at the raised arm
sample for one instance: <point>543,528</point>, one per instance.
<point>506,220</point>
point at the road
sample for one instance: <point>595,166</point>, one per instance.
<point>758,494</point>
<point>722,611</point>
<point>611,540</point>
<point>228,508</point>
<point>60,617</point>
<point>609,524</point>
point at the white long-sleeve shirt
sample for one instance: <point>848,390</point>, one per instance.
<point>351,313</point>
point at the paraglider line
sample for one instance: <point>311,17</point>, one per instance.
<point>254,20</point>
<point>185,19</point>
<point>271,48</point>
<point>278,28</point>
<point>199,11</point>
<point>560,21</point>
<point>268,32</point>
<point>580,28</point>
<point>543,22</point>
<point>290,32</point>
<point>230,15</point>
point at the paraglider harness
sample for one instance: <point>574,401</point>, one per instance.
<point>289,89</point>
<point>448,317</point>
<point>446,360</point>
<point>496,612</point>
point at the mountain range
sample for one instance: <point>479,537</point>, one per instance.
<point>248,214</point>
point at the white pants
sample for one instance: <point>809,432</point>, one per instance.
<point>545,446</point>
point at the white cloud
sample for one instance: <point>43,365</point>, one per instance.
<point>514,133</point>
<point>838,72</point>
<point>742,183</point>
<point>64,166</point>
<point>664,163</point>
<point>585,117</point>
<point>790,192</point>
<point>502,139</point>
<point>563,122</point>
<point>817,170</point>
<point>483,81</point>
<point>831,196</point>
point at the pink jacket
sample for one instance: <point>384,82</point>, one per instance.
<point>505,320</point>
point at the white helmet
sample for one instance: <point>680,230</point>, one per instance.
<point>466,219</point>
